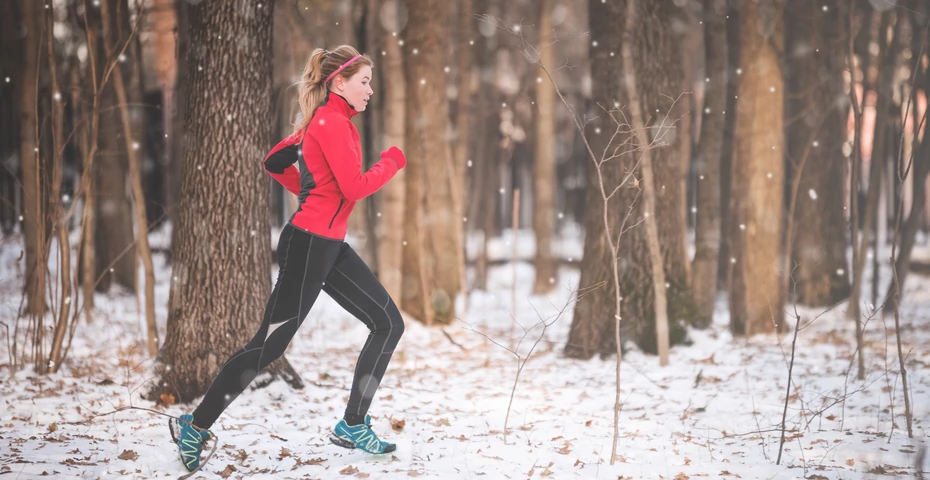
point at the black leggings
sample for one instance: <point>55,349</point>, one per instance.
<point>310,263</point>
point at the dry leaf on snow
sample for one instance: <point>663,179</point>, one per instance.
<point>128,455</point>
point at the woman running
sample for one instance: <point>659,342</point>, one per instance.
<point>312,253</point>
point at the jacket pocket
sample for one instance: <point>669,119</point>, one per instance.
<point>341,202</point>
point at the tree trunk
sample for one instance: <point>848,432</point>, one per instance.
<point>816,41</point>
<point>178,112</point>
<point>644,140</point>
<point>11,63</point>
<point>655,50</point>
<point>593,317</point>
<point>431,164</point>
<point>164,26</point>
<point>921,158</point>
<point>33,217</point>
<point>220,278</point>
<point>544,172</point>
<point>758,174</point>
<point>707,224</point>
<point>391,254</point>
<point>724,266</point>
<point>115,250</point>
<point>882,148</point>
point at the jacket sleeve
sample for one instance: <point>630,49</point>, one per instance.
<point>280,165</point>
<point>342,156</point>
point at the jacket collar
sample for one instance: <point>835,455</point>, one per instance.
<point>340,104</point>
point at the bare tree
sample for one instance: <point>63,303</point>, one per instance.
<point>756,208</point>
<point>546,265</point>
<point>391,237</point>
<point>33,222</point>
<point>114,252</point>
<point>707,229</point>
<point>220,280</point>
<point>436,241</point>
<point>816,40</point>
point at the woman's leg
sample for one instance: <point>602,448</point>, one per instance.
<point>352,285</point>
<point>304,261</point>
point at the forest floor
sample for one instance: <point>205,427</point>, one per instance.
<point>714,412</point>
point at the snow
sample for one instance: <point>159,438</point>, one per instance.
<point>713,413</point>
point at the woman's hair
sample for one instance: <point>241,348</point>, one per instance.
<point>320,65</point>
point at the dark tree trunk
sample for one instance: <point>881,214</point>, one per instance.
<point>707,233</point>
<point>11,65</point>
<point>220,279</point>
<point>33,223</point>
<point>115,253</point>
<point>593,326</point>
<point>660,81</point>
<point>816,42</point>
<point>594,313</point>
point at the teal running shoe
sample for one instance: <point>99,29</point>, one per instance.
<point>361,437</point>
<point>189,439</point>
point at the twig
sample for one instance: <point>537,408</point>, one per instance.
<point>457,344</point>
<point>784,412</point>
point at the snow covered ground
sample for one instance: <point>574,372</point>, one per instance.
<point>713,413</point>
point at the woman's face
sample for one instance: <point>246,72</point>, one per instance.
<point>356,89</point>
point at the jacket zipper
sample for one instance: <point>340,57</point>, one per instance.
<point>341,201</point>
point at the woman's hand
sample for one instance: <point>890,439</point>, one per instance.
<point>396,155</point>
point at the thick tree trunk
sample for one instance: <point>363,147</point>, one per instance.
<point>431,167</point>
<point>707,231</point>
<point>220,278</point>
<point>33,216</point>
<point>544,168</point>
<point>393,195</point>
<point>756,208</point>
<point>178,112</point>
<point>816,41</point>
<point>115,250</point>
<point>593,317</point>
<point>724,266</point>
<point>11,63</point>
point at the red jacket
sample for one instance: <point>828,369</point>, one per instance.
<point>328,178</point>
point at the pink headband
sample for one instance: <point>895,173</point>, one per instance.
<point>344,65</point>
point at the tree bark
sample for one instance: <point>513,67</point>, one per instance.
<point>643,139</point>
<point>115,250</point>
<point>655,49</point>
<point>816,41</point>
<point>11,44</point>
<point>391,254</point>
<point>220,278</point>
<point>431,162</point>
<point>594,312</point>
<point>164,25</point>
<point>544,186</point>
<point>33,216</point>
<point>756,208</point>
<point>707,233</point>
<point>178,112</point>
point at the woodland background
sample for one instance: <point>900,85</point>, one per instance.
<point>755,154</point>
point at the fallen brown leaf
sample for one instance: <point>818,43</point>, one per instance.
<point>230,469</point>
<point>350,470</point>
<point>398,424</point>
<point>129,455</point>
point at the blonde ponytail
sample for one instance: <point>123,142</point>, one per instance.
<point>313,86</point>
